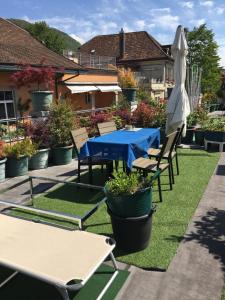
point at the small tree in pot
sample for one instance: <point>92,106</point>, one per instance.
<point>43,77</point>
<point>128,83</point>
<point>39,133</point>
<point>129,201</point>
<point>17,157</point>
<point>61,122</point>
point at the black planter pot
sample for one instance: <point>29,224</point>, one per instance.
<point>132,234</point>
<point>199,137</point>
<point>188,139</point>
<point>217,136</point>
<point>162,135</point>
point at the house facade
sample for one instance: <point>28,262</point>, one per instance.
<point>151,62</point>
<point>87,88</point>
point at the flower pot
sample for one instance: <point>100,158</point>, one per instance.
<point>162,135</point>
<point>135,205</point>
<point>39,160</point>
<point>62,155</point>
<point>132,234</point>
<point>199,137</point>
<point>188,139</point>
<point>41,100</point>
<point>217,136</point>
<point>2,169</point>
<point>17,166</point>
<point>130,94</point>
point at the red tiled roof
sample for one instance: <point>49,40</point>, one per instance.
<point>138,46</point>
<point>17,46</point>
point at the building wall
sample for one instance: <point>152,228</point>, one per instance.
<point>78,101</point>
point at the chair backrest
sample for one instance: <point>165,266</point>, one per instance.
<point>168,146</point>
<point>79,138</point>
<point>179,136</point>
<point>106,127</point>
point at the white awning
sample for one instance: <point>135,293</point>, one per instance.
<point>109,88</point>
<point>81,88</point>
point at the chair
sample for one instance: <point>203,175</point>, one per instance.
<point>79,138</point>
<point>106,127</point>
<point>156,166</point>
<point>152,152</point>
<point>64,258</point>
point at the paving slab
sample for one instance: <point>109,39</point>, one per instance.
<point>197,270</point>
<point>21,193</point>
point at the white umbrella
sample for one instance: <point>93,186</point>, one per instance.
<point>178,107</point>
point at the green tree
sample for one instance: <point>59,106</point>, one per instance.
<point>203,52</point>
<point>50,38</point>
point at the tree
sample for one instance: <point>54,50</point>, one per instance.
<point>50,38</point>
<point>203,52</point>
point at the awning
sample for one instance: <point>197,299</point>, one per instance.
<point>81,88</point>
<point>109,88</point>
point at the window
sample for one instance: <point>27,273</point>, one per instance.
<point>7,110</point>
<point>87,98</point>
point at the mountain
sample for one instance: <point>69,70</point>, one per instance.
<point>68,41</point>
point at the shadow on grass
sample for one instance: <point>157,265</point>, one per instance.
<point>194,154</point>
<point>77,195</point>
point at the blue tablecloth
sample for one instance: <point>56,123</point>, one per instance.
<point>122,145</point>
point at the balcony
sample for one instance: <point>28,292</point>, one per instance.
<point>91,60</point>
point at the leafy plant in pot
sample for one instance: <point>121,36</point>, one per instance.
<point>2,161</point>
<point>61,122</point>
<point>129,201</point>
<point>17,157</point>
<point>43,77</point>
<point>128,83</point>
<point>214,129</point>
<point>39,133</point>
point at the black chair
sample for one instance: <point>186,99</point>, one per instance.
<point>154,153</point>
<point>79,138</point>
<point>157,166</point>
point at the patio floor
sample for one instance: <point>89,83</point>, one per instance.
<point>196,271</point>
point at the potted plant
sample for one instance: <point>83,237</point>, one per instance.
<point>38,132</point>
<point>2,161</point>
<point>61,122</point>
<point>128,83</point>
<point>129,201</point>
<point>215,129</point>
<point>17,157</point>
<point>43,77</point>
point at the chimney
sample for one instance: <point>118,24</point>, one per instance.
<point>122,43</point>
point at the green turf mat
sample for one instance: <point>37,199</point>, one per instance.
<point>23,287</point>
<point>170,220</point>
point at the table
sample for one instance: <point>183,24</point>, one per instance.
<point>126,145</point>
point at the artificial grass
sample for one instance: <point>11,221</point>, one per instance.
<point>170,220</point>
<point>27,288</point>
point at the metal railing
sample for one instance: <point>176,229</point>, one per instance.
<point>91,60</point>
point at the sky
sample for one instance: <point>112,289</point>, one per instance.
<point>83,19</point>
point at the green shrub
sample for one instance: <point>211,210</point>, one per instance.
<point>123,184</point>
<point>214,124</point>
<point>61,122</point>
<point>23,148</point>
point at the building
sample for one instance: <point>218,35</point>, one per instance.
<point>87,88</point>
<point>139,51</point>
